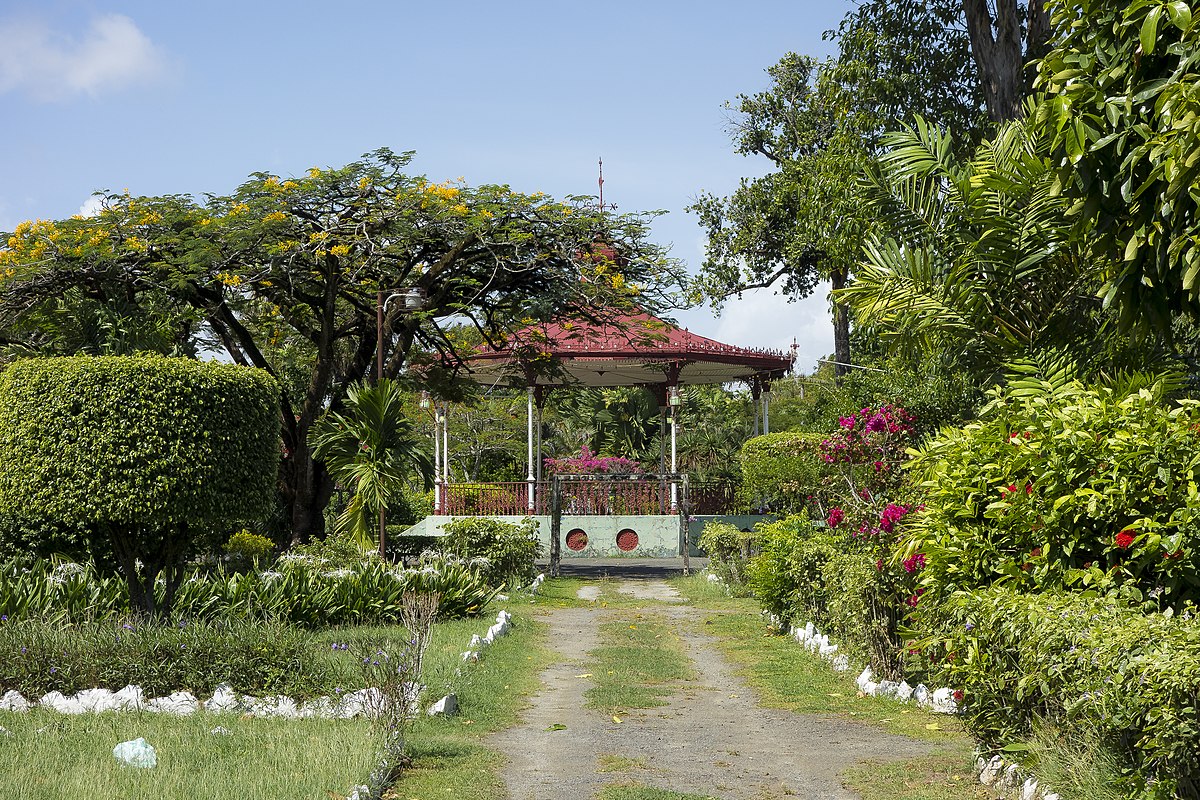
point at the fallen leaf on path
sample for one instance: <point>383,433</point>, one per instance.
<point>558,726</point>
<point>732,696</point>
<point>584,675</point>
<point>616,719</point>
<point>933,726</point>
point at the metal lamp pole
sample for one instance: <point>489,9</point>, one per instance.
<point>413,301</point>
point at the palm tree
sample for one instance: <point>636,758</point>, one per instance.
<point>371,448</point>
<point>976,257</point>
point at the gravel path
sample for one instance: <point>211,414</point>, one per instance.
<point>711,739</point>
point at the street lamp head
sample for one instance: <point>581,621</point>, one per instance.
<point>413,297</point>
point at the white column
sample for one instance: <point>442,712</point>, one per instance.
<point>437,461</point>
<point>446,447</point>
<point>674,462</point>
<point>530,478</point>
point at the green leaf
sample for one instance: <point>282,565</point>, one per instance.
<point>1149,33</point>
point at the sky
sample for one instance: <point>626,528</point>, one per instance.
<point>187,98</point>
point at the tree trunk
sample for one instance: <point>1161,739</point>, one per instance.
<point>841,325</point>
<point>309,491</point>
<point>996,45</point>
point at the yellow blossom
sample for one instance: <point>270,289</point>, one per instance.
<point>275,216</point>
<point>340,250</point>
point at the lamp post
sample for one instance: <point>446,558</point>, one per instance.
<point>675,401</point>
<point>414,300</point>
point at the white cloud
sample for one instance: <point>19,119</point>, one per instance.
<point>92,206</point>
<point>761,318</point>
<point>52,65</point>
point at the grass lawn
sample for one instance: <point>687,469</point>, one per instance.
<point>636,664</point>
<point>787,676</point>
<point>449,758</point>
<point>51,755</point>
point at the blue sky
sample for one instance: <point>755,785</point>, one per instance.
<point>164,97</point>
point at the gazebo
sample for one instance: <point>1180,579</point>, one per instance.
<point>633,349</point>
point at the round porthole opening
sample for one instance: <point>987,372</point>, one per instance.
<point>627,540</point>
<point>576,539</point>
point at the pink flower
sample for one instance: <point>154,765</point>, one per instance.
<point>836,515</point>
<point>914,563</point>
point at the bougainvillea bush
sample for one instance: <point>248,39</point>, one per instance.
<point>1089,664</point>
<point>588,463</point>
<point>834,563</point>
<point>1083,488</point>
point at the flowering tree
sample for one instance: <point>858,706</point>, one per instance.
<point>283,274</point>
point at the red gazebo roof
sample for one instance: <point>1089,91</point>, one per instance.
<point>629,350</point>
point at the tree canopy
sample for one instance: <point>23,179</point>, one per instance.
<point>283,274</point>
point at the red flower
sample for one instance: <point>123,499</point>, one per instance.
<point>1037,551</point>
<point>958,695</point>
<point>1176,554</point>
<point>1125,539</point>
<point>836,515</point>
<point>1028,488</point>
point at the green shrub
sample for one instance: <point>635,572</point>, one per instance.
<point>1080,487</point>
<point>785,575</point>
<point>1090,664</point>
<point>782,470</point>
<point>254,657</point>
<point>156,454</point>
<point>505,551</point>
<point>728,549</point>
<point>248,549</point>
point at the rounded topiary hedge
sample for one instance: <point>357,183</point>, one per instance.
<point>149,452</point>
<point>781,470</point>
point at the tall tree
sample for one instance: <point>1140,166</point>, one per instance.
<point>284,274</point>
<point>819,124</point>
<point>799,224</point>
<point>1006,37</point>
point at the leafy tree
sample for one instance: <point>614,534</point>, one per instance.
<point>977,259</point>
<point>1120,90</point>
<point>801,223</point>
<point>371,447</point>
<point>155,456</point>
<point>284,274</point>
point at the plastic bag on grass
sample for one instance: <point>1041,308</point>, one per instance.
<point>137,753</point>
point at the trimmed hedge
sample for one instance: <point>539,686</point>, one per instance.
<point>1081,663</point>
<point>141,441</point>
<point>782,469</point>
<point>153,455</point>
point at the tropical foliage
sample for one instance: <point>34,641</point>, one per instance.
<point>371,448</point>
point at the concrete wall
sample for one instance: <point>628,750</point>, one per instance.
<point>658,536</point>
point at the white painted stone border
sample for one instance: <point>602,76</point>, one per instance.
<point>359,703</point>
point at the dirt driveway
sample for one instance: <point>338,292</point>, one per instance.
<point>711,739</point>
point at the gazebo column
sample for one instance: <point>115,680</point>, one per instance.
<point>437,460</point>
<point>756,397</point>
<point>675,400</point>
<point>541,393</point>
<point>446,448</point>
<point>530,476</point>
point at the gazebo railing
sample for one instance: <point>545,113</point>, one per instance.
<point>587,497</point>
